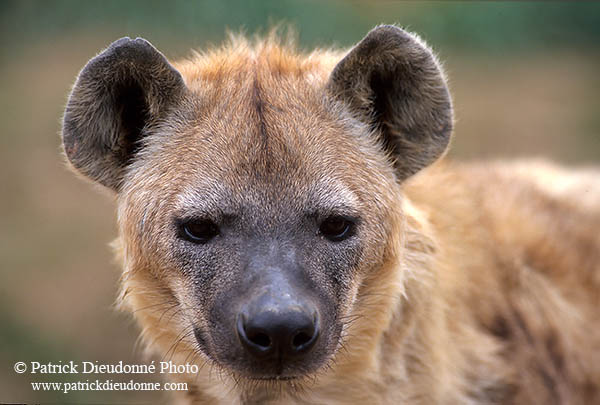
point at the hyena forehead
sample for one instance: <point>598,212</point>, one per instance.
<point>267,133</point>
<point>214,198</point>
<point>267,117</point>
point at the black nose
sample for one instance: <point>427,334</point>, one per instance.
<point>278,330</point>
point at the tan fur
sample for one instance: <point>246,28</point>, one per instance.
<point>489,287</point>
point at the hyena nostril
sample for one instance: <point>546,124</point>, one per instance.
<point>260,339</point>
<point>301,339</point>
<point>253,338</point>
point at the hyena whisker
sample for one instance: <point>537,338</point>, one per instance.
<point>174,307</point>
<point>350,319</point>
<point>173,315</point>
<point>191,353</point>
<point>202,364</point>
<point>378,295</point>
<point>211,370</point>
<point>184,334</point>
<point>159,304</point>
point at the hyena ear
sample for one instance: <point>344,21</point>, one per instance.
<point>119,93</point>
<point>392,81</point>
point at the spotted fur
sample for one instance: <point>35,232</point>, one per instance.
<point>468,284</point>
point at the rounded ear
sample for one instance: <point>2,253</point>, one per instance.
<point>391,81</point>
<point>123,90</point>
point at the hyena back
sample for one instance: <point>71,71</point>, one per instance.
<point>277,229</point>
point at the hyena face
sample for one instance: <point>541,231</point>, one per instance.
<point>260,232</point>
<point>259,189</point>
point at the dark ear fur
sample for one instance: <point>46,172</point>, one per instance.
<point>117,94</point>
<point>392,81</point>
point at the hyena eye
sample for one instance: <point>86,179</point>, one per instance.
<point>199,230</point>
<point>336,228</point>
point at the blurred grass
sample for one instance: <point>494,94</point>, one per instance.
<point>524,76</point>
<point>488,25</point>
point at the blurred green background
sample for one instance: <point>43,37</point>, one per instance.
<point>524,75</point>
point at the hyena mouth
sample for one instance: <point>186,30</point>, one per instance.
<point>277,378</point>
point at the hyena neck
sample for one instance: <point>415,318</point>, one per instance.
<point>416,340</point>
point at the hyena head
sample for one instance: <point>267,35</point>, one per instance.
<point>258,189</point>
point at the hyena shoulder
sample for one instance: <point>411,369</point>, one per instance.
<point>519,273</point>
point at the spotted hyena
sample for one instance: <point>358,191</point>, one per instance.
<point>277,228</point>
